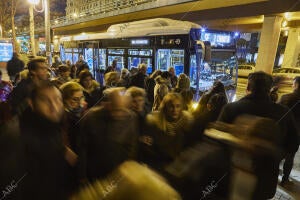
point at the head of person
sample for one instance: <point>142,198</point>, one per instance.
<point>216,103</point>
<point>38,69</point>
<point>86,79</point>
<point>171,70</point>
<point>115,102</point>
<point>166,75</point>
<point>64,71</point>
<point>56,58</point>
<point>72,94</point>
<point>142,68</point>
<point>155,74</point>
<point>259,84</point>
<point>183,82</point>
<point>68,62</point>
<point>111,78</point>
<point>81,58</point>
<point>137,98</point>
<point>114,63</point>
<point>218,87</point>
<point>124,73</point>
<point>46,101</point>
<point>172,106</point>
<point>296,83</point>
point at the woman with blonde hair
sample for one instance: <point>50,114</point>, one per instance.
<point>183,88</point>
<point>168,130</point>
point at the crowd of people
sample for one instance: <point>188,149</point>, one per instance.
<point>61,130</point>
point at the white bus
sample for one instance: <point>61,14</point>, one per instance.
<point>159,43</point>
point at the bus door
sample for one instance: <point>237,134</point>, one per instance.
<point>90,52</point>
<point>170,58</point>
<point>116,54</point>
<point>137,56</point>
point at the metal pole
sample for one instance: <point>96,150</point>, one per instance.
<point>31,25</point>
<point>47,31</point>
<point>1,34</point>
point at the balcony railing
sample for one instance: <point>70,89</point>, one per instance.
<point>113,8</point>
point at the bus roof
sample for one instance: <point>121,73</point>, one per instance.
<point>149,27</point>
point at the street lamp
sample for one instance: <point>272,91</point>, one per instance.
<point>46,8</point>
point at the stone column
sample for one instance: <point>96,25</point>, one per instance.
<point>268,44</point>
<point>292,49</point>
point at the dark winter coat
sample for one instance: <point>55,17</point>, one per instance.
<point>49,176</point>
<point>292,101</point>
<point>263,106</point>
<point>169,138</point>
<point>17,97</point>
<point>138,80</point>
<point>106,142</point>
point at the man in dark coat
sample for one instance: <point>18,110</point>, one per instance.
<point>138,80</point>
<point>14,66</point>
<point>81,65</point>
<point>292,101</point>
<point>38,71</point>
<point>47,161</point>
<point>42,165</point>
<point>258,103</point>
<point>109,136</point>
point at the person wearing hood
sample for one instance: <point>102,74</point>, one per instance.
<point>162,87</point>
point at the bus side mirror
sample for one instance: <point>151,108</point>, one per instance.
<point>207,52</point>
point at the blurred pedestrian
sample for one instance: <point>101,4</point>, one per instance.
<point>81,65</point>
<point>14,66</point>
<point>63,75</point>
<point>217,88</point>
<point>183,88</point>
<point>109,135</point>
<point>257,102</point>
<point>74,106</point>
<point>56,63</point>
<point>92,92</point>
<point>214,106</point>
<point>47,161</point>
<point>166,131</point>
<point>162,87</point>
<point>5,89</point>
<point>292,101</point>
<point>124,78</point>
<point>173,77</point>
<point>137,105</point>
<point>38,72</point>
<point>113,67</point>
<point>138,79</point>
<point>149,87</point>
